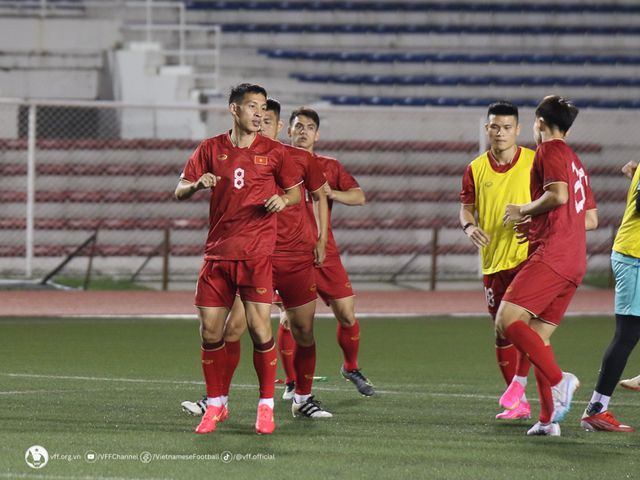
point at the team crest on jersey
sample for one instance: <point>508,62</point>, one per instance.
<point>261,290</point>
<point>222,157</point>
<point>261,160</point>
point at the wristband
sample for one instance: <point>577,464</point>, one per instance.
<point>467,225</point>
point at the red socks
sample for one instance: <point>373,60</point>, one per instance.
<point>529,342</point>
<point>287,348</point>
<point>544,392</point>
<point>305,365</point>
<point>524,365</point>
<point>213,367</point>
<point>349,341</point>
<point>507,356</point>
<point>233,358</point>
<point>265,361</point>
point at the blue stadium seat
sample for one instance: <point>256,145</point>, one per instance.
<point>413,57</point>
<point>462,7</point>
<point>438,29</point>
<point>469,80</point>
<point>469,102</point>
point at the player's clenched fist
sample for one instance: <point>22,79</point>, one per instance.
<point>208,180</point>
<point>512,213</point>
<point>275,204</point>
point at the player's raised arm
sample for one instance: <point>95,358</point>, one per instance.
<point>555,195</point>
<point>277,203</point>
<point>186,189</point>
<point>352,197</point>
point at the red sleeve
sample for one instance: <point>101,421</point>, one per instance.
<point>314,178</point>
<point>553,165</point>
<point>468,192</point>
<point>344,179</point>
<point>288,172</point>
<point>197,165</point>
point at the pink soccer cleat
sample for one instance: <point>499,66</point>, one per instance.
<point>264,421</point>
<point>211,417</point>
<point>512,395</point>
<point>523,410</point>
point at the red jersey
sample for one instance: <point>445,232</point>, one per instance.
<point>240,227</point>
<point>558,237</point>
<point>295,232</point>
<point>338,179</point>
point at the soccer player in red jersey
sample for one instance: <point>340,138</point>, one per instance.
<point>298,249</point>
<point>243,170</point>
<point>332,281</point>
<point>554,222</point>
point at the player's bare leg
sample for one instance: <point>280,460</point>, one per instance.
<point>265,361</point>
<point>212,321</point>
<point>301,323</point>
<point>348,336</point>
<point>235,326</point>
<point>286,348</point>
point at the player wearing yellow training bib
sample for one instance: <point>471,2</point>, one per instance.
<point>625,262</point>
<point>494,179</point>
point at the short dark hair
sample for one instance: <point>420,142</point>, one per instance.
<point>307,112</point>
<point>273,105</point>
<point>502,107</point>
<point>239,91</point>
<point>557,112</point>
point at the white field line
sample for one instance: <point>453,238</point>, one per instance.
<point>401,391</point>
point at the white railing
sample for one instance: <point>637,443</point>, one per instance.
<point>47,8</point>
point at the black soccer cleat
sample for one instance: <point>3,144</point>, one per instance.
<point>361,382</point>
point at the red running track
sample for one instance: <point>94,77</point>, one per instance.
<point>406,302</point>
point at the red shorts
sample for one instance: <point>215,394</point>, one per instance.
<point>332,280</point>
<point>541,291</point>
<point>294,278</point>
<point>220,279</point>
<point>495,284</point>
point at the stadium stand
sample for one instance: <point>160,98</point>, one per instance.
<point>367,54</point>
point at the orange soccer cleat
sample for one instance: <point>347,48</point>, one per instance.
<point>603,422</point>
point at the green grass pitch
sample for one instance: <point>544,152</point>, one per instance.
<point>114,387</point>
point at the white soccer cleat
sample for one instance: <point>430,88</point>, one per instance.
<point>289,391</point>
<point>563,395</point>
<point>545,430</point>
<point>309,408</point>
<point>631,383</point>
<point>196,408</point>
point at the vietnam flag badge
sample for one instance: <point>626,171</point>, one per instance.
<point>261,160</point>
